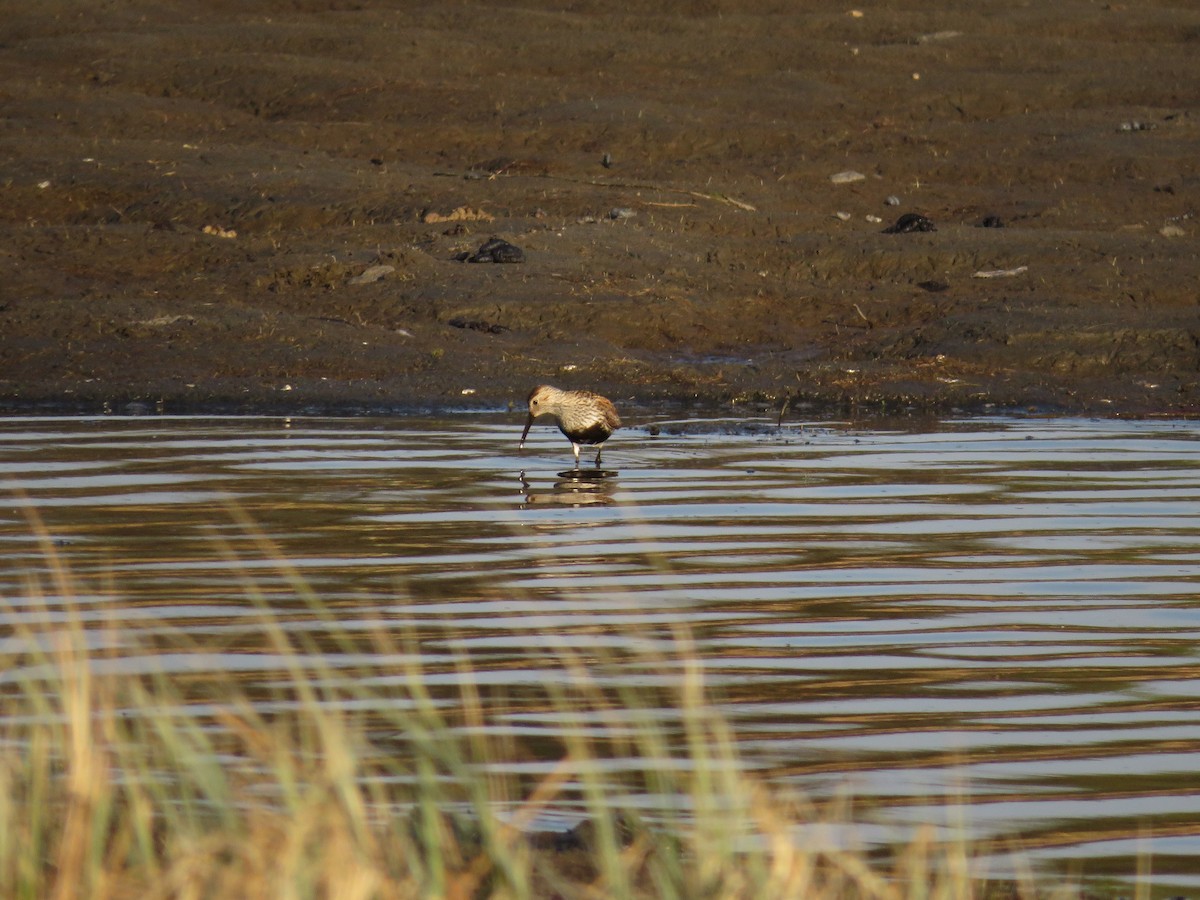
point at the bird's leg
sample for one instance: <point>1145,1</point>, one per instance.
<point>575,447</point>
<point>598,457</point>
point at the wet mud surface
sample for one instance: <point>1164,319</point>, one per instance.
<point>276,205</point>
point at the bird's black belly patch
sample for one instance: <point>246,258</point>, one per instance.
<point>593,434</point>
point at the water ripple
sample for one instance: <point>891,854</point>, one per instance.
<point>1009,605</point>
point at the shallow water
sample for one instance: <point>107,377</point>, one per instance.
<point>1002,613</point>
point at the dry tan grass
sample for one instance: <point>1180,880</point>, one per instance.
<point>114,786</point>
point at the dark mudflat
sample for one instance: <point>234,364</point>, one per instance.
<point>192,193</point>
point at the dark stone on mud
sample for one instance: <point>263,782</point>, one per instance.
<point>910,223</point>
<point>933,287</point>
<point>476,325</point>
<point>495,250</point>
<point>992,222</point>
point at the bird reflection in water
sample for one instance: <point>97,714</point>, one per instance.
<point>575,487</point>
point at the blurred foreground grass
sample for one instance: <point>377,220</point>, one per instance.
<point>359,765</point>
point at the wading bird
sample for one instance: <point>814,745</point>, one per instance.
<point>584,417</point>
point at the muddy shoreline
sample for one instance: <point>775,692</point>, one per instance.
<point>264,207</point>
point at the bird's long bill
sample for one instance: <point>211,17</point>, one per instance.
<point>525,433</point>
